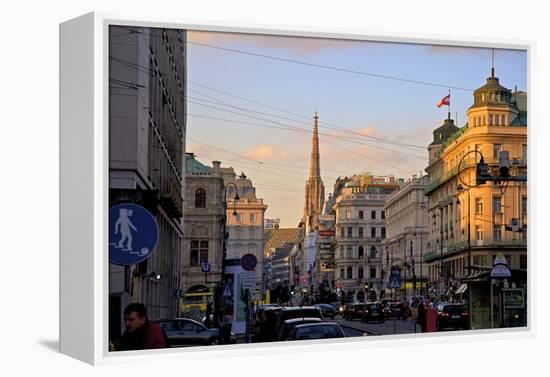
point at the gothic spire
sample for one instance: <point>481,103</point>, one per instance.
<point>314,168</point>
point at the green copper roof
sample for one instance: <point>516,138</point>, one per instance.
<point>195,167</point>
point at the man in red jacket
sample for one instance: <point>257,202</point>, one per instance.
<point>140,333</point>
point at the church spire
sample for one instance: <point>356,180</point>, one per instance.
<point>314,168</point>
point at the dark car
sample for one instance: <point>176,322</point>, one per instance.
<point>353,311</point>
<point>262,308</point>
<point>373,312</point>
<point>188,332</point>
<point>323,330</point>
<point>327,311</point>
<point>452,315</point>
<point>393,309</point>
<point>292,312</point>
<point>286,328</point>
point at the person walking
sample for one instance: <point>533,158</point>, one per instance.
<point>421,319</point>
<point>140,332</point>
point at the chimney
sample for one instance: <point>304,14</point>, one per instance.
<point>216,168</point>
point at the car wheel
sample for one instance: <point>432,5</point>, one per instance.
<point>213,342</point>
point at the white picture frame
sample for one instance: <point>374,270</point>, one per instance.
<point>84,191</point>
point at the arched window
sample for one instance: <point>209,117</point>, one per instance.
<point>360,296</point>
<point>373,251</point>
<point>360,252</point>
<point>360,273</point>
<point>349,273</point>
<point>200,198</point>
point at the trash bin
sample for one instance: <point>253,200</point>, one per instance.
<point>431,320</point>
<point>225,333</point>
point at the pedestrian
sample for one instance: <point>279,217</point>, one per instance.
<point>421,318</point>
<point>209,314</point>
<point>140,332</point>
<point>267,328</point>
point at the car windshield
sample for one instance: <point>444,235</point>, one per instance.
<point>373,306</point>
<point>318,332</point>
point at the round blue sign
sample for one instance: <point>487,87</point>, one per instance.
<point>249,262</point>
<point>133,234</point>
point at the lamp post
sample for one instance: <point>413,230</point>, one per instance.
<point>459,189</point>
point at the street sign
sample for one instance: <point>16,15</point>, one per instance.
<point>249,262</point>
<point>500,268</point>
<point>205,266</point>
<point>133,234</point>
<point>394,280</point>
<point>514,298</point>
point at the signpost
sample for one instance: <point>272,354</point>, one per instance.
<point>133,234</point>
<point>500,270</point>
<point>394,281</point>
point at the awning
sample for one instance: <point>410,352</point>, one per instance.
<point>461,289</point>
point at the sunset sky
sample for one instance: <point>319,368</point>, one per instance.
<point>251,107</point>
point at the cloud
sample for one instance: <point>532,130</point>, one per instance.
<point>266,152</point>
<point>302,46</point>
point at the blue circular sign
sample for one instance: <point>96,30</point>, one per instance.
<point>205,266</point>
<point>249,262</point>
<point>133,234</point>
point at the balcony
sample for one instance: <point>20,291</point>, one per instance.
<point>170,199</point>
<point>475,244</point>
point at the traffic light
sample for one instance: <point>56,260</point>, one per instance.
<point>482,172</point>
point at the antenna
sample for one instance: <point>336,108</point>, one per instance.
<point>493,63</point>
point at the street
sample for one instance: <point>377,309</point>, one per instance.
<point>388,327</point>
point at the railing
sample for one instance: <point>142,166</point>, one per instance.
<point>462,245</point>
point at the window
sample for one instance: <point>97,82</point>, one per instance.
<point>199,252</point>
<point>361,232</point>
<point>342,232</point>
<point>350,232</point>
<point>502,120</point>
<point>497,204</point>
<point>383,214</point>
<point>341,273</point>
<point>200,198</point>
<point>480,260</point>
<point>479,233</point>
<point>383,232</point>
<point>373,232</point>
<point>524,205</point>
<point>361,215</point>
<point>252,218</point>
<point>360,252</point>
<point>373,272</point>
<point>349,252</point>
<point>490,119</point>
<point>475,121</point>
<point>496,150</point>
<point>360,273</point>
<point>373,251</point>
<point>239,217</point>
<point>524,153</point>
<point>497,233</point>
<point>479,206</point>
<point>349,273</point>
<point>348,214</point>
<point>373,215</point>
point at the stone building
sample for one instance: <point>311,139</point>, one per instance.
<point>492,216</point>
<point>407,236</point>
<point>360,229</point>
<point>246,229</point>
<point>147,126</point>
<point>204,223</point>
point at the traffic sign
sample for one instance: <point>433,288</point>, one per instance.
<point>249,262</point>
<point>133,234</point>
<point>205,266</point>
<point>394,280</point>
<point>500,268</point>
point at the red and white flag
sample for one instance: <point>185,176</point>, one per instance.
<point>445,101</point>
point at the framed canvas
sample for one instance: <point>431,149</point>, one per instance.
<point>234,189</point>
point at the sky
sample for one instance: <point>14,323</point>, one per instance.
<point>251,106</point>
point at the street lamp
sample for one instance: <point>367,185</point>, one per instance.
<point>459,189</point>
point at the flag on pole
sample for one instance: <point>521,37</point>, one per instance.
<point>445,101</point>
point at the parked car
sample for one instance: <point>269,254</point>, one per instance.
<point>188,332</point>
<point>292,312</point>
<point>353,311</point>
<point>452,315</point>
<point>323,330</point>
<point>393,309</point>
<point>327,311</point>
<point>373,311</point>
<point>263,307</point>
<point>289,324</point>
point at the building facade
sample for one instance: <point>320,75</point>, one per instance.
<point>245,224</point>
<point>204,224</point>
<point>491,217</point>
<point>147,130</point>
<point>407,236</point>
<point>360,229</point>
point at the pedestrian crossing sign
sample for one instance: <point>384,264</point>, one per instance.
<point>395,278</point>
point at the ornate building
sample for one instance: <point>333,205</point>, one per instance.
<point>490,217</point>
<point>407,235</point>
<point>203,221</point>
<point>246,228</point>
<point>315,189</point>
<point>360,229</point>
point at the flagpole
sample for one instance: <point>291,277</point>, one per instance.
<point>449,105</point>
